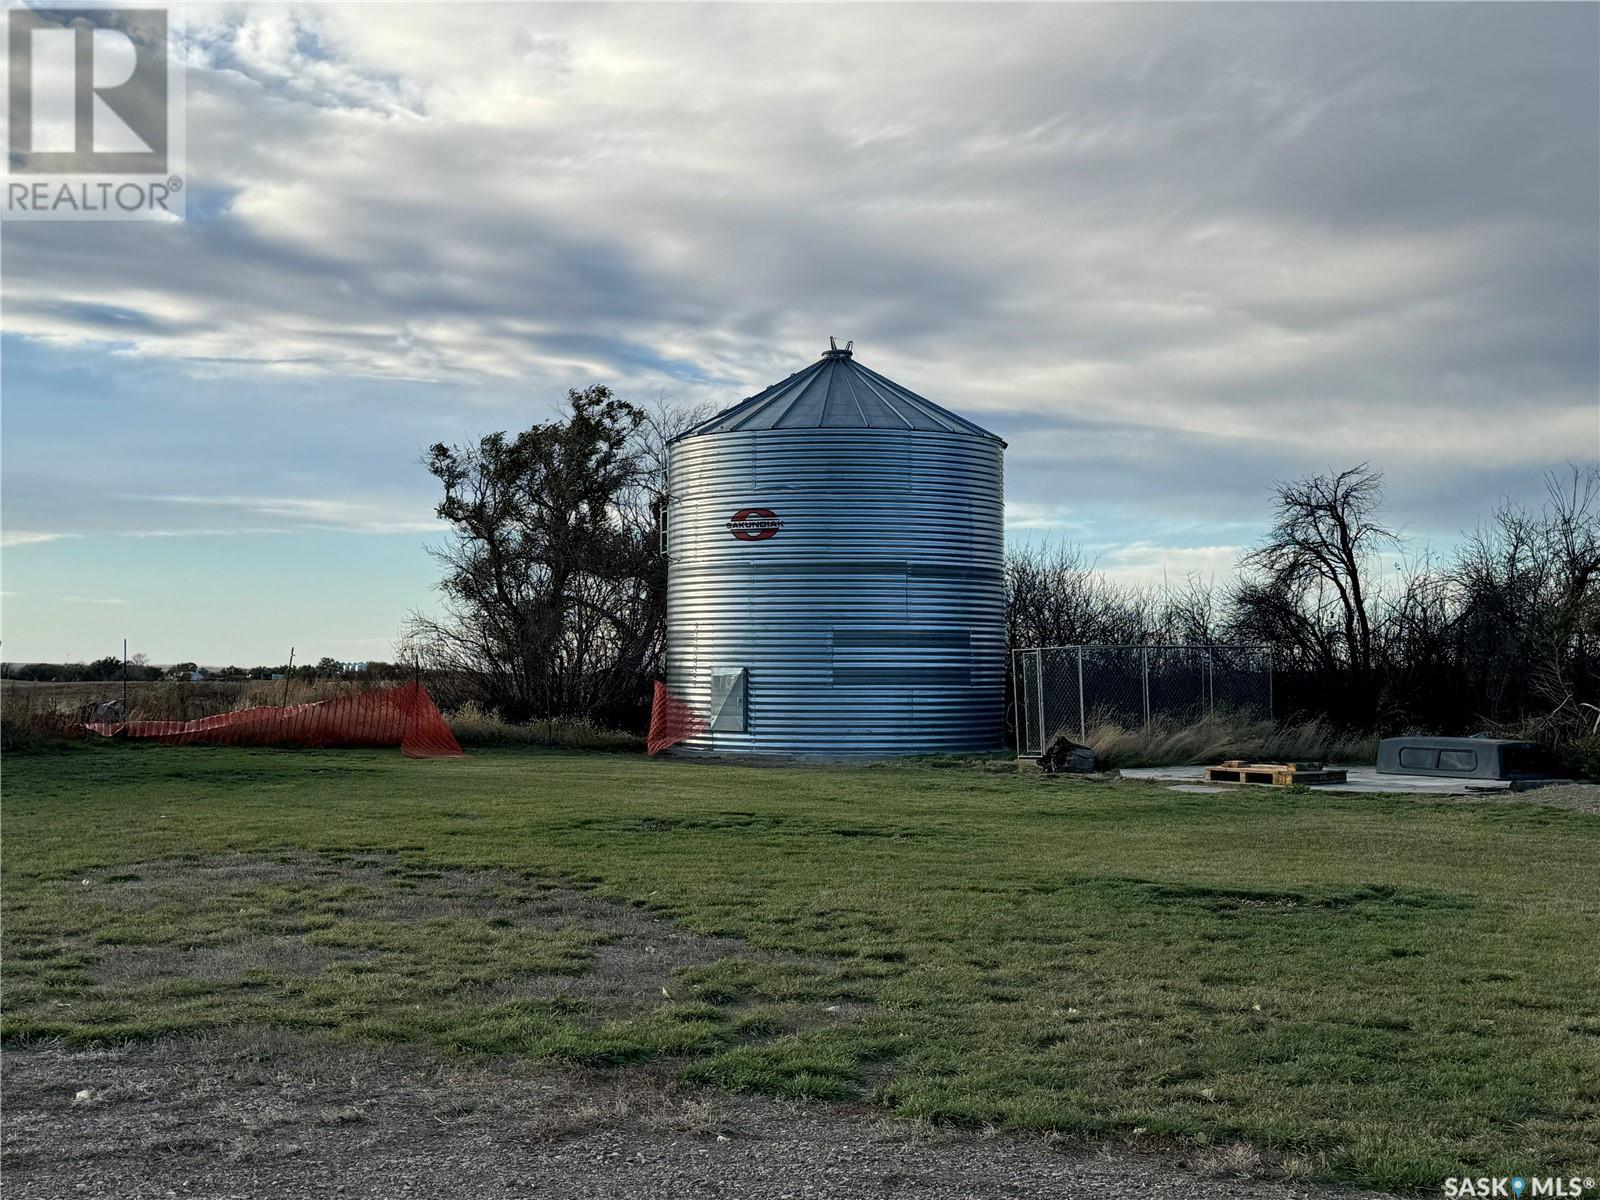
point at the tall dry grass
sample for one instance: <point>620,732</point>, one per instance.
<point>1210,739</point>
<point>267,693</point>
<point>477,726</point>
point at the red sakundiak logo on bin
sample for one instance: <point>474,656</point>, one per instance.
<point>754,524</point>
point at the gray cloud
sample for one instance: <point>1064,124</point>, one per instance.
<point>1170,252</point>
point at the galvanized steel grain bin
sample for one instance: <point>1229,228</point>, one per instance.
<point>834,572</point>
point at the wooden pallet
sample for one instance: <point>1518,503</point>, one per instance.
<point>1237,770</point>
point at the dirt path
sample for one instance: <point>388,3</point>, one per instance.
<point>280,1116</point>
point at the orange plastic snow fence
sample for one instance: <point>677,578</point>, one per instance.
<point>403,716</point>
<point>671,721</point>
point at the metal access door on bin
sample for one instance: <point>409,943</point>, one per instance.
<point>730,693</point>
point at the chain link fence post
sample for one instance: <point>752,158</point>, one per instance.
<point>1211,683</point>
<point>1038,679</point>
<point>1016,699</point>
<point>1083,712</point>
<point>1144,673</point>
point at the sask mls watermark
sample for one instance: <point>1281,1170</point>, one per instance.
<point>1518,1187</point>
<point>94,115</point>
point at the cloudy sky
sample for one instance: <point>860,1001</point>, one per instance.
<point>1169,253</point>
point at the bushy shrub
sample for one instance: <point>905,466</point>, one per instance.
<point>26,724</point>
<point>1579,758</point>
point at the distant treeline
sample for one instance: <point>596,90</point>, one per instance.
<point>140,670</point>
<point>1500,635</point>
<point>554,591</point>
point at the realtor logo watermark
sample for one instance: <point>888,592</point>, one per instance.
<point>94,115</point>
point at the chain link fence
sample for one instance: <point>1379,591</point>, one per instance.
<point>1066,689</point>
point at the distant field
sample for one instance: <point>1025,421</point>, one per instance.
<point>1385,991</point>
<point>111,689</point>
<point>160,699</point>
<point>209,695</point>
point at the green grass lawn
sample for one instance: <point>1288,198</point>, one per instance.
<point>1388,991</point>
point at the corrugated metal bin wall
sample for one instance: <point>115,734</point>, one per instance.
<point>838,591</point>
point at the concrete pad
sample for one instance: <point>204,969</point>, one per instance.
<point>1358,779</point>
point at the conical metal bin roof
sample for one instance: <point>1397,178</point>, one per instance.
<point>837,392</point>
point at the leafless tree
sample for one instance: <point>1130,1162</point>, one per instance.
<point>1528,594</point>
<point>1307,588</point>
<point>1055,597</point>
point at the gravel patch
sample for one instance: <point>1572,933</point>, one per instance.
<point>635,959</point>
<point>133,965</point>
<point>280,1115</point>
<point>1579,797</point>
<point>1576,797</point>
